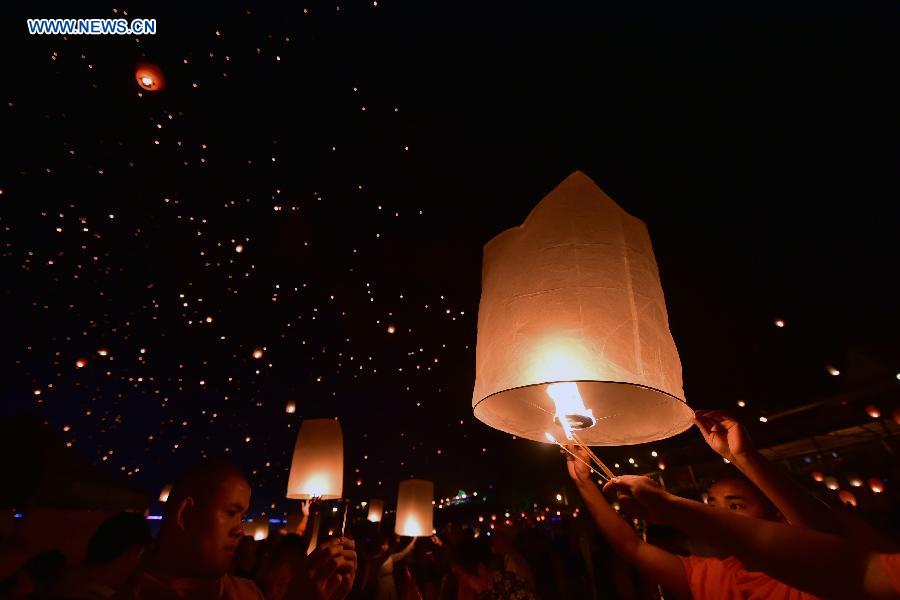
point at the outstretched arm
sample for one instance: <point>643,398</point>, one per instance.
<point>812,561</point>
<point>661,566</point>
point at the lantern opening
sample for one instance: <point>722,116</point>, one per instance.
<point>146,80</point>
<point>571,413</point>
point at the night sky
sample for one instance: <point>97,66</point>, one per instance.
<point>317,183</point>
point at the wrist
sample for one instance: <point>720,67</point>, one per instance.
<point>747,458</point>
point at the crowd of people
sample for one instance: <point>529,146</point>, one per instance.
<point>771,538</point>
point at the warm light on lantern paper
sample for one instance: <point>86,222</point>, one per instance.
<point>376,510</point>
<point>317,468</point>
<point>415,508</point>
<point>149,77</point>
<point>573,333</point>
<point>258,530</point>
<point>164,494</point>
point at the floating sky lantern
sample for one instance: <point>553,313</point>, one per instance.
<point>291,407</point>
<point>873,411</point>
<point>847,497</point>
<point>817,476</point>
<point>831,483</point>
<point>573,334</point>
<point>149,77</point>
<point>376,510</point>
<point>317,468</point>
<point>164,494</point>
<point>415,509</point>
<point>876,485</point>
<point>855,481</point>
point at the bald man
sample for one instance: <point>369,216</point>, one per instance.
<point>200,532</point>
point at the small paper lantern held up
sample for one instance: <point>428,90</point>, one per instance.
<point>415,508</point>
<point>149,77</point>
<point>376,510</point>
<point>317,468</point>
<point>573,333</point>
<point>164,494</point>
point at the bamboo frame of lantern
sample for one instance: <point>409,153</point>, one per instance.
<point>317,469</point>
<point>573,334</point>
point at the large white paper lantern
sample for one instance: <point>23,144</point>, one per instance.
<point>415,508</point>
<point>376,510</point>
<point>573,333</point>
<point>317,468</point>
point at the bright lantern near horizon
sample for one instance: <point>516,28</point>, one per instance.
<point>317,467</point>
<point>415,508</point>
<point>573,334</point>
<point>376,510</point>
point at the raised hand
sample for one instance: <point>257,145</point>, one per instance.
<point>639,496</point>
<point>723,433</point>
<point>326,574</point>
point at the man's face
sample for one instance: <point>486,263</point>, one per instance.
<point>216,525</point>
<point>736,496</point>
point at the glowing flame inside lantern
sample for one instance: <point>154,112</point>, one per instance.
<point>149,77</point>
<point>316,485</point>
<point>571,413</point>
<point>412,527</point>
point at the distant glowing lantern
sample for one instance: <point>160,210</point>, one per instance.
<point>150,77</point>
<point>876,485</point>
<point>817,476</point>
<point>415,511</point>
<point>290,407</point>
<point>258,530</point>
<point>573,334</point>
<point>376,510</point>
<point>832,371</point>
<point>662,465</point>
<point>847,497</point>
<point>258,353</point>
<point>164,494</point>
<point>873,411</point>
<point>855,481</point>
<point>317,468</point>
<point>391,329</point>
<point>779,323</point>
<point>831,483</point>
<point>80,363</point>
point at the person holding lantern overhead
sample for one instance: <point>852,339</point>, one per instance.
<point>200,531</point>
<point>680,577</point>
<point>809,560</point>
